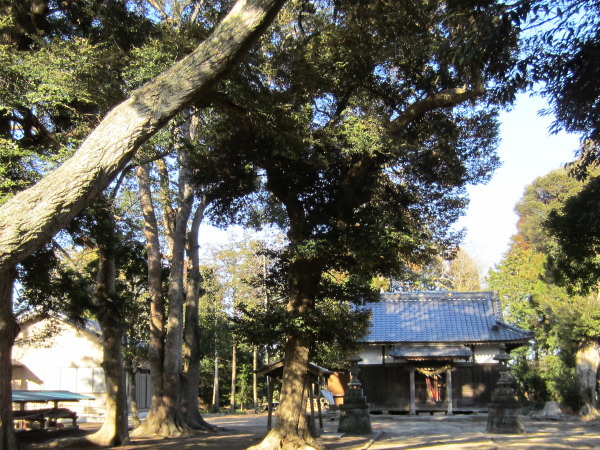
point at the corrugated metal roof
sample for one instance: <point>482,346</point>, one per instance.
<point>469,317</point>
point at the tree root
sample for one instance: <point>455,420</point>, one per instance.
<point>589,412</point>
<point>276,441</point>
<point>171,428</point>
<point>158,427</point>
<point>200,424</point>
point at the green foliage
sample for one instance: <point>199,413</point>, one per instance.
<point>46,98</point>
<point>335,326</point>
<point>60,72</point>
<point>530,377</point>
<point>540,198</point>
<point>576,263</point>
<point>17,168</point>
<point>244,377</point>
<point>49,287</point>
<point>541,301</point>
<point>550,379</point>
<point>561,382</point>
<point>149,60</point>
<point>559,56</point>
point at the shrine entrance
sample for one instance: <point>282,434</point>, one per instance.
<point>430,388</point>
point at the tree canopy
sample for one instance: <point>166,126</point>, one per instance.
<point>562,45</point>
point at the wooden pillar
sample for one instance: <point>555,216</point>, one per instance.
<point>449,390</point>
<point>311,397</point>
<point>384,371</point>
<point>319,406</point>
<point>413,396</point>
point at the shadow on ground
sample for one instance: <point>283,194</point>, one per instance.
<point>389,432</point>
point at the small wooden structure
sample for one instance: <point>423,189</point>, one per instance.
<point>42,415</point>
<point>274,374</point>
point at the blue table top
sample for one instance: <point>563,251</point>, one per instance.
<point>19,396</point>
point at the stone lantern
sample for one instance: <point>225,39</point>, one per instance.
<point>502,417</point>
<point>354,412</point>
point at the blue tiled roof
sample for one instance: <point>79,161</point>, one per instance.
<point>466,317</point>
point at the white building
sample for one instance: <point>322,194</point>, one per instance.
<point>67,358</point>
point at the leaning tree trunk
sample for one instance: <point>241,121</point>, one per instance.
<point>191,335</point>
<point>31,217</point>
<point>291,430</point>
<point>156,412</point>
<point>586,371</point>
<point>8,332</point>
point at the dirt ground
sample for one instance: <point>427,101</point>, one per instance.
<point>389,432</point>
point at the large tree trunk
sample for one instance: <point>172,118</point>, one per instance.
<point>174,423</point>
<point>291,431</point>
<point>156,412</point>
<point>8,332</point>
<point>31,217</point>
<point>114,430</point>
<point>191,335</point>
<point>165,197</point>
<point>586,371</point>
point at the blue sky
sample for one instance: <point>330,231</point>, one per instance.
<point>527,151</point>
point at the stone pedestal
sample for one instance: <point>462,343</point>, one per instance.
<point>354,412</point>
<point>502,417</point>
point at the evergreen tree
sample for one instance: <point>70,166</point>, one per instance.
<point>369,160</point>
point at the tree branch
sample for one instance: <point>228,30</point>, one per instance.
<point>33,216</point>
<point>443,99</point>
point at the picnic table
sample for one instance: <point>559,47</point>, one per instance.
<point>42,415</point>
